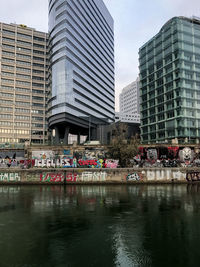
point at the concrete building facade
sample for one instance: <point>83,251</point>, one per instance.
<point>82,68</point>
<point>129,104</point>
<point>23,85</point>
<point>127,117</point>
<point>129,99</point>
<point>170,83</point>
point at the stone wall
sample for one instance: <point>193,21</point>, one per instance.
<point>76,176</point>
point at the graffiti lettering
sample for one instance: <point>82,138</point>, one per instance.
<point>10,177</point>
<point>58,177</point>
<point>73,161</point>
<point>73,177</point>
<point>93,176</point>
<point>164,175</point>
<point>52,177</point>
<point>89,163</point>
<point>65,163</point>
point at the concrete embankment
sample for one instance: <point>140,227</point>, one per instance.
<point>98,176</point>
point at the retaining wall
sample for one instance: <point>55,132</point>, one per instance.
<point>82,176</point>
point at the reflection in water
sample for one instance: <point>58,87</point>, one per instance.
<point>134,225</point>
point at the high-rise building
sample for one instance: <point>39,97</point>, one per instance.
<point>129,103</point>
<point>23,88</point>
<point>127,117</point>
<point>82,67</point>
<point>170,83</point>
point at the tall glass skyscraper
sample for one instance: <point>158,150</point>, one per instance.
<point>170,83</point>
<point>82,67</point>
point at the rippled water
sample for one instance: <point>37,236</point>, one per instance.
<point>99,226</point>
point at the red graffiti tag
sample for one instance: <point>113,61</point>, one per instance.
<point>88,162</point>
<point>71,177</point>
<point>58,177</point>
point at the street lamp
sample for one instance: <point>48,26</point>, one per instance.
<point>89,126</point>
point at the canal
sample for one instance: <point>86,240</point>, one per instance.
<point>129,225</point>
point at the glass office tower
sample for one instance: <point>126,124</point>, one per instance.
<point>82,67</point>
<point>170,83</point>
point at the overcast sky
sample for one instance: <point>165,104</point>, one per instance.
<point>136,21</point>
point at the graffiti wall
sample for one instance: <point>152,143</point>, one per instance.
<point>62,162</point>
<point>70,159</point>
<point>73,158</point>
<point>168,156</point>
<point>102,175</point>
<point>156,175</point>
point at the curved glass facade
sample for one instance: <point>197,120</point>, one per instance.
<point>82,64</point>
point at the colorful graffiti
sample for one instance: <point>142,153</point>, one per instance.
<point>74,163</point>
<point>10,177</point>
<point>91,163</point>
<point>93,153</point>
<point>73,177</point>
<point>64,162</point>
<point>193,176</point>
<point>167,156</point>
<point>13,163</point>
<point>133,177</point>
<point>186,155</point>
<point>111,163</point>
<point>68,158</point>
<point>58,177</point>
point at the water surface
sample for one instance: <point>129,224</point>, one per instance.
<point>150,225</point>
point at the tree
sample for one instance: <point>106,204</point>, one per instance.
<point>122,148</point>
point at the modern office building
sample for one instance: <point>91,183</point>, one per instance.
<point>129,104</point>
<point>129,99</point>
<point>82,68</point>
<point>170,83</point>
<point>127,117</point>
<point>23,87</point>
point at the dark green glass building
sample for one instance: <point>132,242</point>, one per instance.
<point>170,83</point>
